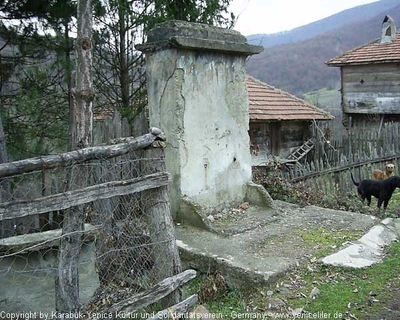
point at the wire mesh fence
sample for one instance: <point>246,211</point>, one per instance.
<point>122,248</point>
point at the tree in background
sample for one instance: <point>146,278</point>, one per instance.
<point>120,24</point>
<point>35,85</point>
<point>214,12</point>
<point>36,59</point>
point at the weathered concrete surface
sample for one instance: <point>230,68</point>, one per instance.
<point>197,216</point>
<point>198,97</point>
<point>27,278</point>
<point>261,252</point>
<point>369,249</point>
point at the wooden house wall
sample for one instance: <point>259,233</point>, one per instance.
<point>278,138</point>
<point>260,137</point>
<point>370,121</point>
<point>371,89</point>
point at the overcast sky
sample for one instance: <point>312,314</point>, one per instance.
<point>270,16</point>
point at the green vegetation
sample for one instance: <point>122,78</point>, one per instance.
<point>359,291</point>
<point>327,99</point>
<point>300,193</point>
<point>38,60</point>
<point>350,292</point>
<point>326,241</point>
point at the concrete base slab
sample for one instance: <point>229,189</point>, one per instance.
<point>263,253</point>
<point>368,249</point>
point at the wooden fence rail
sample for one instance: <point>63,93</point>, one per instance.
<point>121,191</point>
<point>359,150</point>
<point>65,200</point>
<point>82,155</point>
<point>322,172</point>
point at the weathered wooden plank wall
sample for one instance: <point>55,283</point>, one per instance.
<point>363,87</point>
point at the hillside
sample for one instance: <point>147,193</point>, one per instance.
<point>350,16</point>
<point>299,67</point>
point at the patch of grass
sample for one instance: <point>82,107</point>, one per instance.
<point>327,241</point>
<point>224,302</point>
<point>343,291</point>
<point>324,98</point>
<point>358,291</point>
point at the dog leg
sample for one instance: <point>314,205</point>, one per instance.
<point>368,199</point>
<point>385,204</point>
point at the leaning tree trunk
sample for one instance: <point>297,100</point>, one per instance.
<point>67,279</point>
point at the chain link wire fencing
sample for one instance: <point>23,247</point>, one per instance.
<point>121,242</point>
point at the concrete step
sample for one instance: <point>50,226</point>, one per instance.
<point>261,255</point>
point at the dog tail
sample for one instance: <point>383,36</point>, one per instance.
<point>352,179</point>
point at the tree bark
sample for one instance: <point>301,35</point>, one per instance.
<point>67,278</point>
<point>161,227</point>
<point>123,146</point>
<point>151,295</point>
<point>6,227</point>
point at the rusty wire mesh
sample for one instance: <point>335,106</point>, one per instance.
<point>118,252</point>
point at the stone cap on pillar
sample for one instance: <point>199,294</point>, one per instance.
<point>197,36</point>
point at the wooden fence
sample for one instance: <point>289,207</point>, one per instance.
<point>359,151</point>
<point>126,201</point>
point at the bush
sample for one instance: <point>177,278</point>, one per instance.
<point>301,194</point>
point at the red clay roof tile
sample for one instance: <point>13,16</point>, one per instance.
<point>266,103</point>
<point>373,52</point>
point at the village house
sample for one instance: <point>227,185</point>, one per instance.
<point>370,80</point>
<point>279,122</point>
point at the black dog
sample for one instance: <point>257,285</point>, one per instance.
<point>380,189</point>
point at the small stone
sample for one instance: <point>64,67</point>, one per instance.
<point>211,218</point>
<point>275,304</point>
<point>218,216</point>
<point>314,293</point>
<point>201,312</point>
<point>244,206</point>
<point>283,290</point>
<point>155,131</point>
<point>270,293</point>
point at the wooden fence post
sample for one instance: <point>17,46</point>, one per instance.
<point>6,227</point>
<point>162,232</point>
<point>67,278</point>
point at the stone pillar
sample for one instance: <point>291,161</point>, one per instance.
<point>198,97</point>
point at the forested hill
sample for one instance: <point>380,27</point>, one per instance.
<point>350,16</point>
<point>299,67</point>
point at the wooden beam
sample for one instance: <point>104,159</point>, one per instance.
<point>62,201</point>
<point>78,156</point>
<point>347,167</point>
<point>176,311</point>
<point>151,295</point>
<point>156,203</point>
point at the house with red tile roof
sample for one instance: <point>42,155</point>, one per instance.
<point>279,121</point>
<point>370,80</point>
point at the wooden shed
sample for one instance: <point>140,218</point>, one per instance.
<point>279,121</point>
<point>370,80</point>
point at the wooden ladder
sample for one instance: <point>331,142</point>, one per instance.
<point>301,151</point>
